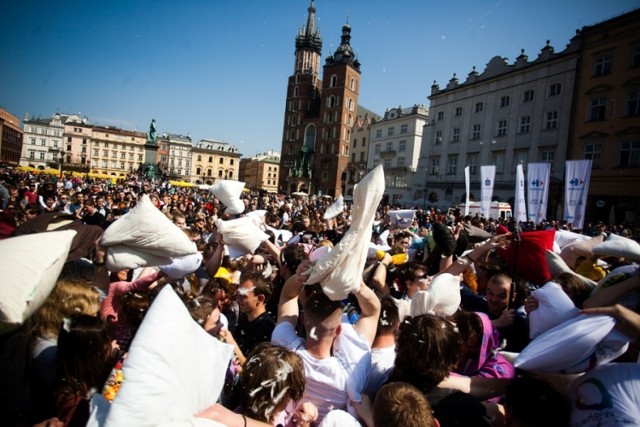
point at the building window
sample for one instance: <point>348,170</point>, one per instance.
<point>458,111</point>
<point>221,160</point>
<point>387,163</point>
<point>504,101</point>
<point>452,165</point>
<point>593,152</point>
<point>199,157</point>
<point>547,156</point>
<point>525,124</point>
<point>32,141</point>
<point>32,154</point>
<point>390,131</point>
<point>477,132</point>
<point>630,154</point>
<point>598,109</point>
<point>379,133</point>
<point>376,149</point>
<point>528,96</point>
<point>456,135</point>
<point>362,156</point>
<point>635,57</point>
<point>404,128</point>
<point>353,157</point>
<point>402,146</point>
<point>43,142</point>
<point>633,103</point>
<point>438,137</point>
<point>435,166</point>
<point>552,120</point>
<point>473,163</point>
<point>400,161</point>
<point>520,157</point>
<point>555,89</point>
<point>440,115</point>
<point>498,161</point>
<point>502,128</point>
<point>41,155</point>
<point>602,65</point>
<point>389,146</point>
<point>479,107</point>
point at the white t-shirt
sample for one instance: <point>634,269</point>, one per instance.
<point>330,382</point>
<point>382,361</point>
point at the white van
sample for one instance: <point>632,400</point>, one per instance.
<point>496,209</point>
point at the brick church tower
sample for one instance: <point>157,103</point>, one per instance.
<point>319,114</point>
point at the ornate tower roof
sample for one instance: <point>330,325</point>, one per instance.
<point>344,53</point>
<point>309,37</point>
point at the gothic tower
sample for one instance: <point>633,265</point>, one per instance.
<point>319,114</point>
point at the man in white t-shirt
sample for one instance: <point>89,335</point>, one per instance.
<point>336,355</point>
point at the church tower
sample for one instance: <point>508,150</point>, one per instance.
<point>319,114</point>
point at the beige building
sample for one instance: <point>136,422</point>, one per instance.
<point>116,152</point>
<point>606,124</point>
<point>43,142</point>
<point>261,171</point>
<point>77,144</point>
<point>11,136</point>
<point>212,159</point>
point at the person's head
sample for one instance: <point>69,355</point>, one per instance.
<point>306,221</point>
<point>389,319</point>
<point>322,316</point>
<point>69,296</point>
<point>290,258</point>
<point>524,399</point>
<point>179,219</point>
<point>470,327</point>
<point>413,277</point>
<point>206,313</point>
<point>133,307</point>
<point>272,377</point>
<point>79,197</point>
<point>253,293</point>
<point>401,241</point>
<point>427,349</point>
<point>85,354</point>
<point>501,292</point>
<point>575,288</point>
<point>399,404</point>
<point>90,206</point>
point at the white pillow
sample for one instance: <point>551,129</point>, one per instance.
<point>402,218</point>
<point>618,275</point>
<point>566,347</point>
<point>554,307</point>
<point>335,209</point>
<point>610,392</point>
<point>565,237</point>
<point>619,246</point>
<point>121,257</point>
<point>281,235</point>
<point>180,267</point>
<point>229,192</point>
<point>174,368</point>
<point>556,265</point>
<point>29,269</point>
<point>242,234</point>
<point>571,252</point>
<point>441,299</point>
<point>340,271</point>
<point>145,228</point>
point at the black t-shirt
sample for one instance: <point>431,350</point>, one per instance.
<point>250,334</point>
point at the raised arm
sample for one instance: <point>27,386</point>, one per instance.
<point>379,279</point>
<point>288,310</point>
<point>369,312</point>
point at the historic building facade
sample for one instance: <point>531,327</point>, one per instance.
<point>116,152</point>
<point>261,171</point>
<point>606,124</point>
<point>43,141</point>
<point>212,159</point>
<point>11,135</point>
<point>180,157</point>
<point>319,114</point>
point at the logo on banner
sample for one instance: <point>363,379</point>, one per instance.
<point>576,182</point>
<point>537,183</point>
<point>487,182</point>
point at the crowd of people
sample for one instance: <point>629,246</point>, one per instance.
<point>429,336</point>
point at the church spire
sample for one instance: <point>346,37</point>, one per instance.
<point>308,36</point>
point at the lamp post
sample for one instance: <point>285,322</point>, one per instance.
<point>61,162</point>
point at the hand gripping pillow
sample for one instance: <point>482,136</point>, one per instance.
<point>340,271</point>
<point>29,269</point>
<point>229,192</point>
<point>529,258</point>
<point>580,248</point>
<point>146,229</point>
<point>242,234</point>
<point>567,346</point>
<point>610,392</point>
<point>335,209</point>
<point>174,368</point>
<point>554,307</point>
<point>618,246</point>
<point>441,299</point>
<point>557,265</point>
<point>121,257</point>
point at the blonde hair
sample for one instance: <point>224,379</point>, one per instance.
<point>69,296</point>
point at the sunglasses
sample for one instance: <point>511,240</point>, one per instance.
<point>421,278</point>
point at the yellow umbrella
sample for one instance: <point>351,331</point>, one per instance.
<point>26,169</point>
<point>181,184</point>
<point>50,171</point>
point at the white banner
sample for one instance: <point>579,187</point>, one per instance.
<point>538,179</point>
<point>487,175</point>
<point>576,181</point>
<point>467,187</point>
<point>520,214</point>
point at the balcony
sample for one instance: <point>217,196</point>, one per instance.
<point>387,153</point>
<point>397,169</point>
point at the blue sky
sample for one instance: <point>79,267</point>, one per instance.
<point>218,68</point>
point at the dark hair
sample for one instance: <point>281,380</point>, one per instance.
<point>261,285</point>
<point>389,318</point>
<point>399,404</point>
<point>575,288</point>
<point>427,349</point>
<point>292,256</point>
<point>525,397</point>
<point>84,357</point>
<point>200,308</point>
